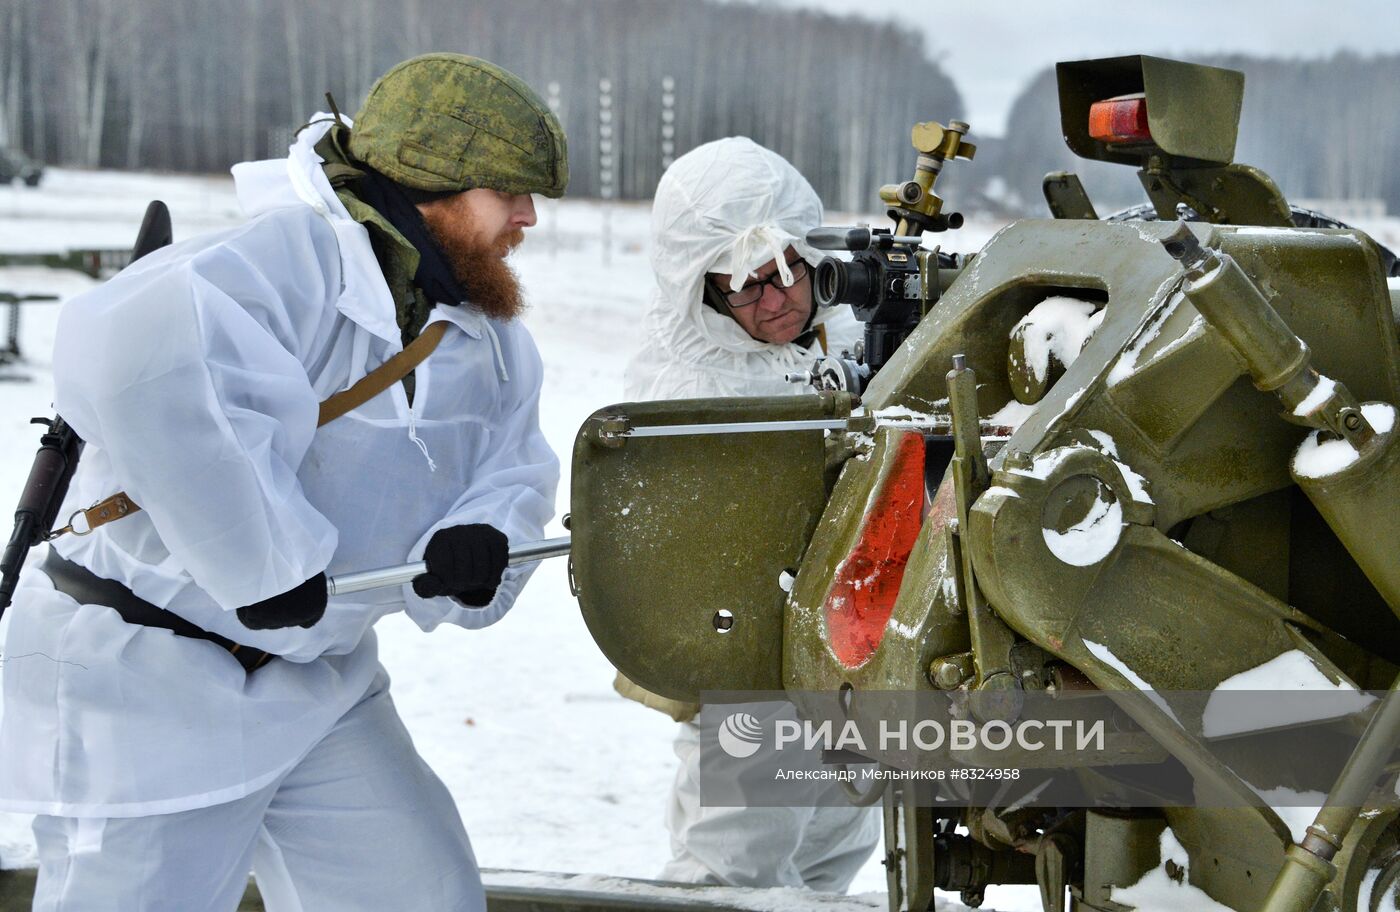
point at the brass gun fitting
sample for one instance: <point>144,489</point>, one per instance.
<point>934,141</point>
<point>936,144</point>
<point>909,193</point>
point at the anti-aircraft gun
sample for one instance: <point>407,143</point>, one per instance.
<point>1147,460</point>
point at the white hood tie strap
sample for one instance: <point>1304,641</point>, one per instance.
<point>418,441</point>
<point>756,237</point>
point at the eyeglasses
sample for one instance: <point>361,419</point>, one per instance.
<point>751,293</point>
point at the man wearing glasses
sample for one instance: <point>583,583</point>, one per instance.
<point>733,310</point>
<point>774,305</point>
<point>732,314</point>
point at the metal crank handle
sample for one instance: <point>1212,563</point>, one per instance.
<point>346,583</point>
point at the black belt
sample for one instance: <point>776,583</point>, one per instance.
<point>88,588</point>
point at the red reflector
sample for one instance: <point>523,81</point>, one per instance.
<point>1120,120</point>
<point>867,582</point>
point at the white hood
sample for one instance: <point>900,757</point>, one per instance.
<point>729,206</point>
<point>265,186</point>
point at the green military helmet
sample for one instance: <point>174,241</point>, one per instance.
<point>449,122</point>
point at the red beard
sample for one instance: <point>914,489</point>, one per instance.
<point>479,266</point>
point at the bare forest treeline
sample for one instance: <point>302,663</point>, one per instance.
<point>1326,129</point>
<point>196,86</point>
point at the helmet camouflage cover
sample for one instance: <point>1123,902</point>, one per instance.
<point>449,122</point>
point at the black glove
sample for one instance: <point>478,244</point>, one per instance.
<point>299,607</point>
<point>466,562</point>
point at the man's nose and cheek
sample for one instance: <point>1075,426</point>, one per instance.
<point>523,210</point>
<point>779,313</point>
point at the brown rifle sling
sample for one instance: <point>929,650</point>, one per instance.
<point>368,386</point>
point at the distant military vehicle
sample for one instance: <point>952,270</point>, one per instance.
<point>16,166</point>
<point>1138,456</point>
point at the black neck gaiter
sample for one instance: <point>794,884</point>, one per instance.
<point>434,275</point>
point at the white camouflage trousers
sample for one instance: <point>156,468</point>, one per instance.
<point>821,848</point>
<point>360,823</point>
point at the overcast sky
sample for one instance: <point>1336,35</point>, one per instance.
<point>993,47</point>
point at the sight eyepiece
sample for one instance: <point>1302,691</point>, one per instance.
<point>839,282</point>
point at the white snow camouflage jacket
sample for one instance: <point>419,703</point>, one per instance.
<point>728,206</point>
<point>195,377</point>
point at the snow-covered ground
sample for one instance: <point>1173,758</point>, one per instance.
<point>551,770</point>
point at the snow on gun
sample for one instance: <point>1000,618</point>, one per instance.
<point>1208,423</point>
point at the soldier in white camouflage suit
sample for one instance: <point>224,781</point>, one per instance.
<point>182,701</point>
<point>732,314</point>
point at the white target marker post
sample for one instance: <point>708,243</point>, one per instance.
<point>606,171</point>
<point>668,122</point>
